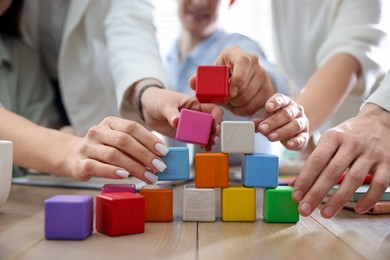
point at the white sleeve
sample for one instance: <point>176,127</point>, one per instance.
<point>132,45</point>
<point>357,30</point>
<point>381,96</point>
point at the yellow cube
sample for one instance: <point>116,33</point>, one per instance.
<point>239,204</point>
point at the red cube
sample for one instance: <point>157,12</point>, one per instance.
<point>120,213</point>
<point>212,84</point>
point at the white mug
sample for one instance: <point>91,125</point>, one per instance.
<point>6,153</point>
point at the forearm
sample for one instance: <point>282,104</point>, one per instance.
<point>36,147</point>
<point>328,87</point>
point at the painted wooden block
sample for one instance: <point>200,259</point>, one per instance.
<point>159,203</point>
<point>68,217</point>
<point>238,137</point>
<point>178,165</point>
<point>198,204</point>
<point>212,84</point>
<point>120,213</point>
<point>239,204</point>
<point>211,170</point>
<point>194,127</point>
<point>117,187</point>
<point>278,205</point>
<point>260,170</point>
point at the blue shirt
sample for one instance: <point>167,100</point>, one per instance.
<point>205,53</point>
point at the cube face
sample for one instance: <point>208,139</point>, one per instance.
<point>178,165</point>
<point>279,207</point>
<point>212,84</point>
<point>211,170</point>
<point>120,213</point>
<point>68,217</point>
<point>260,170</point>
<point>194,127</point>
<point>112,188</point>
<point>238,137</point>
<point>198,204</point>
<point>159,203</point>
<point>239,204</point>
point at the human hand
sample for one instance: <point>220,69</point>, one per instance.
<point>162,107</point>
<point>285,122</point>
<point>114,149</point>
<point>249,84</point>
<point>359,146</point>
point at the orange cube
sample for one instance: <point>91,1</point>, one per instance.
<point>158,203</point>
<point>211,170</point>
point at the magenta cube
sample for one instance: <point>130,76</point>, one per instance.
<point>68,217</point>
<point>112,188</point>
<point>194,127</point>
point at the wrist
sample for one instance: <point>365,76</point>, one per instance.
<point>138,97</point>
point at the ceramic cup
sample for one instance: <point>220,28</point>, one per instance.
<point>5,170</point>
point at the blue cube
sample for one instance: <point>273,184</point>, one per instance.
<point>178,165</point>
<point>260,170</point>
<point>68,217</point>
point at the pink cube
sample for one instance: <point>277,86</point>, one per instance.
<point>194,127</point>
<point>112,188</point>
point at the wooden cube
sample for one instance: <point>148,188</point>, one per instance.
<point>120,213</point>
<point>194,127</point>
<point>198,204</point>
<point>117,187</point>
<point>211,170</point>
<point>239,204</point>
<point>68,217</point>
<point>178,165</point>
<point>279,206</point>
<point>212,84</point>
<point>238,137</point>
<point>159,203</point>
<point>260,170</point>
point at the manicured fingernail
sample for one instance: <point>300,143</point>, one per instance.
<point>264,127</point>
<point>151,176</point>
<point>233,91</point>
<point>273,136</point>
<point>328,212</point>
<point>159,165</point>
<point>216,139</point>
<point>297,195</point>
<point>306,208</point>
<point>122,173</point>
<point>161,149</point>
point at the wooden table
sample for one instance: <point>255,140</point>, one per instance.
<point>347,236</point>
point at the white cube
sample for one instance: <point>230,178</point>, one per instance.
<point>238,137</point>
<point>198,204</point>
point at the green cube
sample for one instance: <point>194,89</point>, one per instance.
<point>279,207</point>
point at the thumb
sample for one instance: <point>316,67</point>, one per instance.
<point>192,82</point>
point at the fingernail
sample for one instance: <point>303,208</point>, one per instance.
<point>271,105</point>
<point>328,212</point>
<point>233,91</point>
<point>359,210</point>
<point>273,136</point>
<point>161,149</point>
<point>122,173</point>
<point>159,165</point>
<point>264,127</point>
<point>216,139</point>
<point>306,208</point>
<point>291,143</point>
<point>297,195</point>
<point>218,128</point>
<point>151,176</point>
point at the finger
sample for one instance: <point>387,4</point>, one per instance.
<point>326,180</point>
<point>379,183</point>
<point>276,102</point>
<point>141,134</point>
<point>90,167</point>
<point>192,82</point>
<point>134,149</point>
<point>352,181</point>
<point>315,164</point>
<point>249,109</point>
<point>298,142</point>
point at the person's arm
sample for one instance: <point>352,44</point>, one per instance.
<point>113,149</point>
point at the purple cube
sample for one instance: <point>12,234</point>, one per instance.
<point>68,217</point>
<point>112,188</point>
<point>194,127</point>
